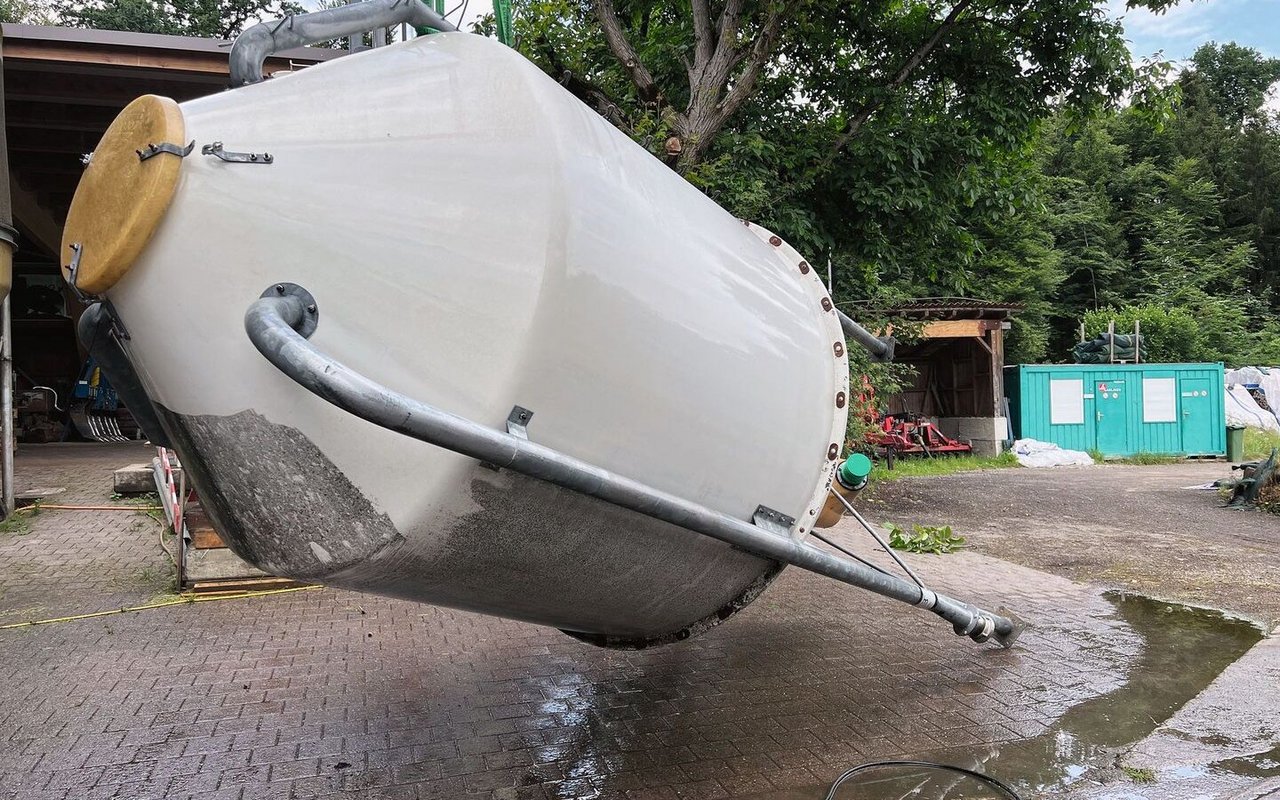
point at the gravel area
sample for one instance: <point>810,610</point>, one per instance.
<point>1136,528</point>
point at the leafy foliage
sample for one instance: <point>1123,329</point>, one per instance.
<point>894,138</point>
<point>1002,149</point>
<point>1171,334</point>
<point>1174,225</point>
<point>925,539</point>
<point>208,18</point>
<point>27,12</point>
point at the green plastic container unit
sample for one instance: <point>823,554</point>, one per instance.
<point>1121,409</point>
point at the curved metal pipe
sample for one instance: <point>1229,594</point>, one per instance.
<point>98,335</point>
<point>271,322</point>
<point>880,347</point>
<point>252,47</point>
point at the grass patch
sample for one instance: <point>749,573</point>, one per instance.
<point>1139,774</point>
<point>918,466</point>
<point>17,524</point>
<point>145,499</point>
<point>154,581</point>
<point>1258,443</point>
<point>1146,459</point>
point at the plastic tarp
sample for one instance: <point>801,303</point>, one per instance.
<point>1244,411</point>
<point>1242,408</point>
<point>1270,384</point>
<point>1032,453</point>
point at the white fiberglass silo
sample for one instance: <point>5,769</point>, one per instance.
<point>468,235</point>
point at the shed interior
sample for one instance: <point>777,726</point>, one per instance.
<point>957,362</point>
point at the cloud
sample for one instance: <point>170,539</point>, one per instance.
<point>1184,21</point>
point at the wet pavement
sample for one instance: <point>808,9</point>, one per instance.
<point>1224,742</point>
<point>323,693</point>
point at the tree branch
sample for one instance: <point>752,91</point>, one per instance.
<point>727,32</point>
<point>855,123</point>
<point>704,42</point>
<point>622,50</point>
<point>758,56</point>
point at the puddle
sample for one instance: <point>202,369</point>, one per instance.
<point>1184,650</point>
<point>1257,765</point>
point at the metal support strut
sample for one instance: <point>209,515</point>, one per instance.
<point>273,321</point>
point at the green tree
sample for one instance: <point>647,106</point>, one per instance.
<point>221,19</point>
<point>889,137</point>
<point>27,12</point>
<point>1233,80</point>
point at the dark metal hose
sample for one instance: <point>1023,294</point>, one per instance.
<point>880,347</point>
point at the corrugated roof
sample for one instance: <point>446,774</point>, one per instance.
<point>946,308</point>
<point>955,304</point>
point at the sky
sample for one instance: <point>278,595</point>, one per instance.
<point>1179,31</point>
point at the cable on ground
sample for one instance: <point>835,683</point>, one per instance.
<point>989,780</point>
<point>182,599</point>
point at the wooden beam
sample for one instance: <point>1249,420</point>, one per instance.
<point>33,140</point>
<point>47,164</point>
<point>35,219</point>
<point>953,329</point>
<point>111,90</point>
<point>52,116</point>
<point>133,58</point>
<point>997,371</point>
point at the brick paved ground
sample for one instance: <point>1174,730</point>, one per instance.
<point>325,693</point>
<point>77,561</point>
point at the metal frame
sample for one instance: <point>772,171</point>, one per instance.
<point>273,322</point>
<point>216,149</point>
<point>256,44</point>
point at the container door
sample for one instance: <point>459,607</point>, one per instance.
<point>1196,416</point>
<point>1070,412</point>
<point>1111,418</point>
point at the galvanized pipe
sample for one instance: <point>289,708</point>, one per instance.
<point>7,496</point>
<point>271,321</point>
<point>880,347</point>
<point>252,47</point>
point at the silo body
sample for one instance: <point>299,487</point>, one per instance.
<point>477,239</point>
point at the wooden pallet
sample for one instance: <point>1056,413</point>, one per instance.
<point>235,585</point>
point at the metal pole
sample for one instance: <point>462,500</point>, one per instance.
<point>6,409</point>
<point>8,246</point>
<point>272,323</point>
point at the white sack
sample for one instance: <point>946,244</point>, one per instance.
<point>1032,453</point>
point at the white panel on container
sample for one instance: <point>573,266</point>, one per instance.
<point>1066,401</point>
<point>1159,400</point>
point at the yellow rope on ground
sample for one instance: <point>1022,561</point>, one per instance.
<point>44,507</point>
<point>183,599</point>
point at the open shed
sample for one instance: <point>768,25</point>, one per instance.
<point>958,368</point>
<point>61,88</point>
